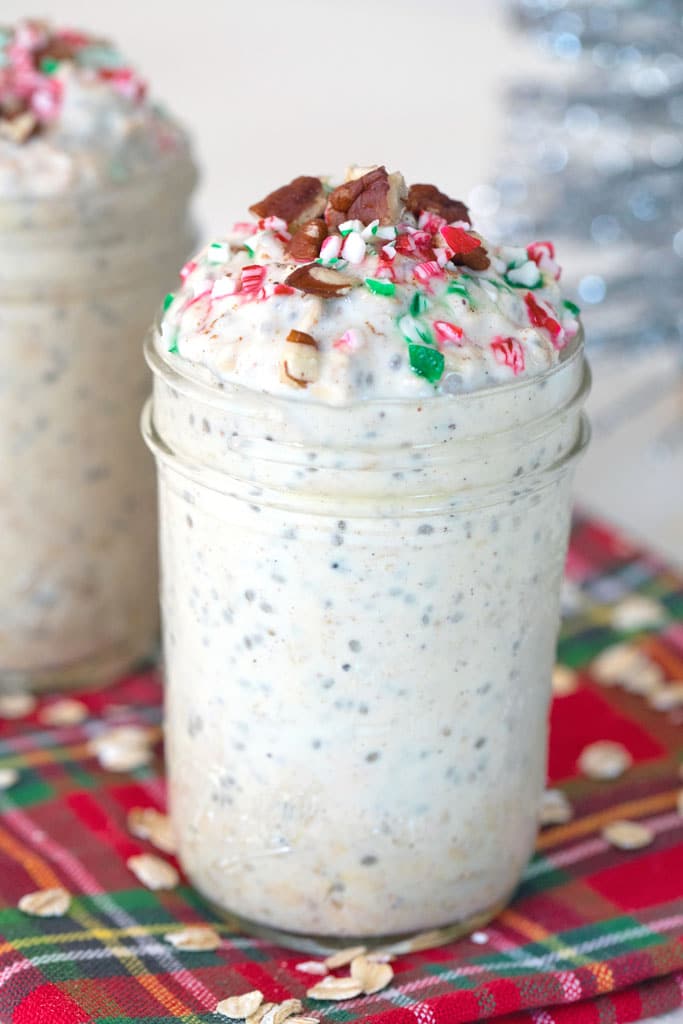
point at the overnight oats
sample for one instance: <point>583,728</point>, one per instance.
<point>94,185</point>
<point>365,419</point>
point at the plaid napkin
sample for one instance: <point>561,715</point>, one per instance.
<point>595,933</point>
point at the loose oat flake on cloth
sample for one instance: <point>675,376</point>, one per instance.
<point>595,932</point>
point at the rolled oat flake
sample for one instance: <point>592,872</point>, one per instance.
<point>628,835</point>
<point>604,760</point>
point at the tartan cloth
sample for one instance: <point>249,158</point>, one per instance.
<point>594,934</point>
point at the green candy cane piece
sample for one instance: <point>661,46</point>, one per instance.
<point>168,299</point>
<point>426,362</point>
<point>572,307</point>
<point>457,288</point>
<point>414,331</point>
<point>418,304</point>
<point>379,286</point>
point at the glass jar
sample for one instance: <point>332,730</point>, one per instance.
<point>79,275</point>
<point>360,608</point>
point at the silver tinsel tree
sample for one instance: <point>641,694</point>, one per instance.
<point>594,159</point>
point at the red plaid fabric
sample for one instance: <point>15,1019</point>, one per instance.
<point>594,934</point>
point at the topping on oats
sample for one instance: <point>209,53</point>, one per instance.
<point>415,301</point>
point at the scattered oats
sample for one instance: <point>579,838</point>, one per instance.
<point>479,938</point>
<point>380,956</point>
<point>343,957</point>
<point>133,736</point>
<point>627,835</point>
<point>148,823</point>
<point>312,967</point>
<point>279,1012</point>
<point>625,665</point>
<point>637,612</point>
<point>8,777</point>
<point>237,1007</point>
<point>424,940</point>
<point>45,903</point>
<point>258,1014</point>
<point>195,938</point>
<point>336,989</point>
<point>303,1020</point>
<point>604,760</point>
<point>153,872</point>
<point>124,748</point>
<point>371,976</point>
<point>555,809</point>
<point>123,759</point>
<point>16,705</point>
<point>667,697</point>
<point>66,711</point>
<point>565,681</point>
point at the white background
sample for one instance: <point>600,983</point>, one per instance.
<point>275,88</point>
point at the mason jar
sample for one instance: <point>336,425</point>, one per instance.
<point>79,275</point>
<point>360,608</point>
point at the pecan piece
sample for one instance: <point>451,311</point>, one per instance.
<point>376,195</point>
<point>301,200</point>
<point>300,364</point>
<point>429,198</point>
<point>315,279</point>
<point>18,128</point>
<point>478,259</point>
<point>304,245</point>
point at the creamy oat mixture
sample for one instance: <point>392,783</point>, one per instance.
<point>93,222</point>
<point>362,544</point>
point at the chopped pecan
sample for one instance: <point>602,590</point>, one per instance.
<point>429,198</point>
<point>478,259</point>
<point>304,245</point>
<point>301,338</point>
<point>300,364</point>
<point>376,195</point>
<point>315,279</point>
<point>18,128</point>
<point>301,200</point>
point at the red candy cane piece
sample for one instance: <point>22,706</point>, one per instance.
<point>243,227</point>
<point>283,289</point>
<point>459,240</point>
<point>543,255</point>
<point>348,342</point>
<point>252,280</point>
<point>543,316</point>
<point>508,352</point>
<point>431,222</point>
<point>189,267</point>
<point>426,272</point>
<point>447,333</point>
<point>125,81</point>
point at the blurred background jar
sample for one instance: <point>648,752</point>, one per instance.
<point>94,189</point>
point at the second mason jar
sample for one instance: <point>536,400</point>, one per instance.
<point>79,274</point>
<point>360,608</point>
